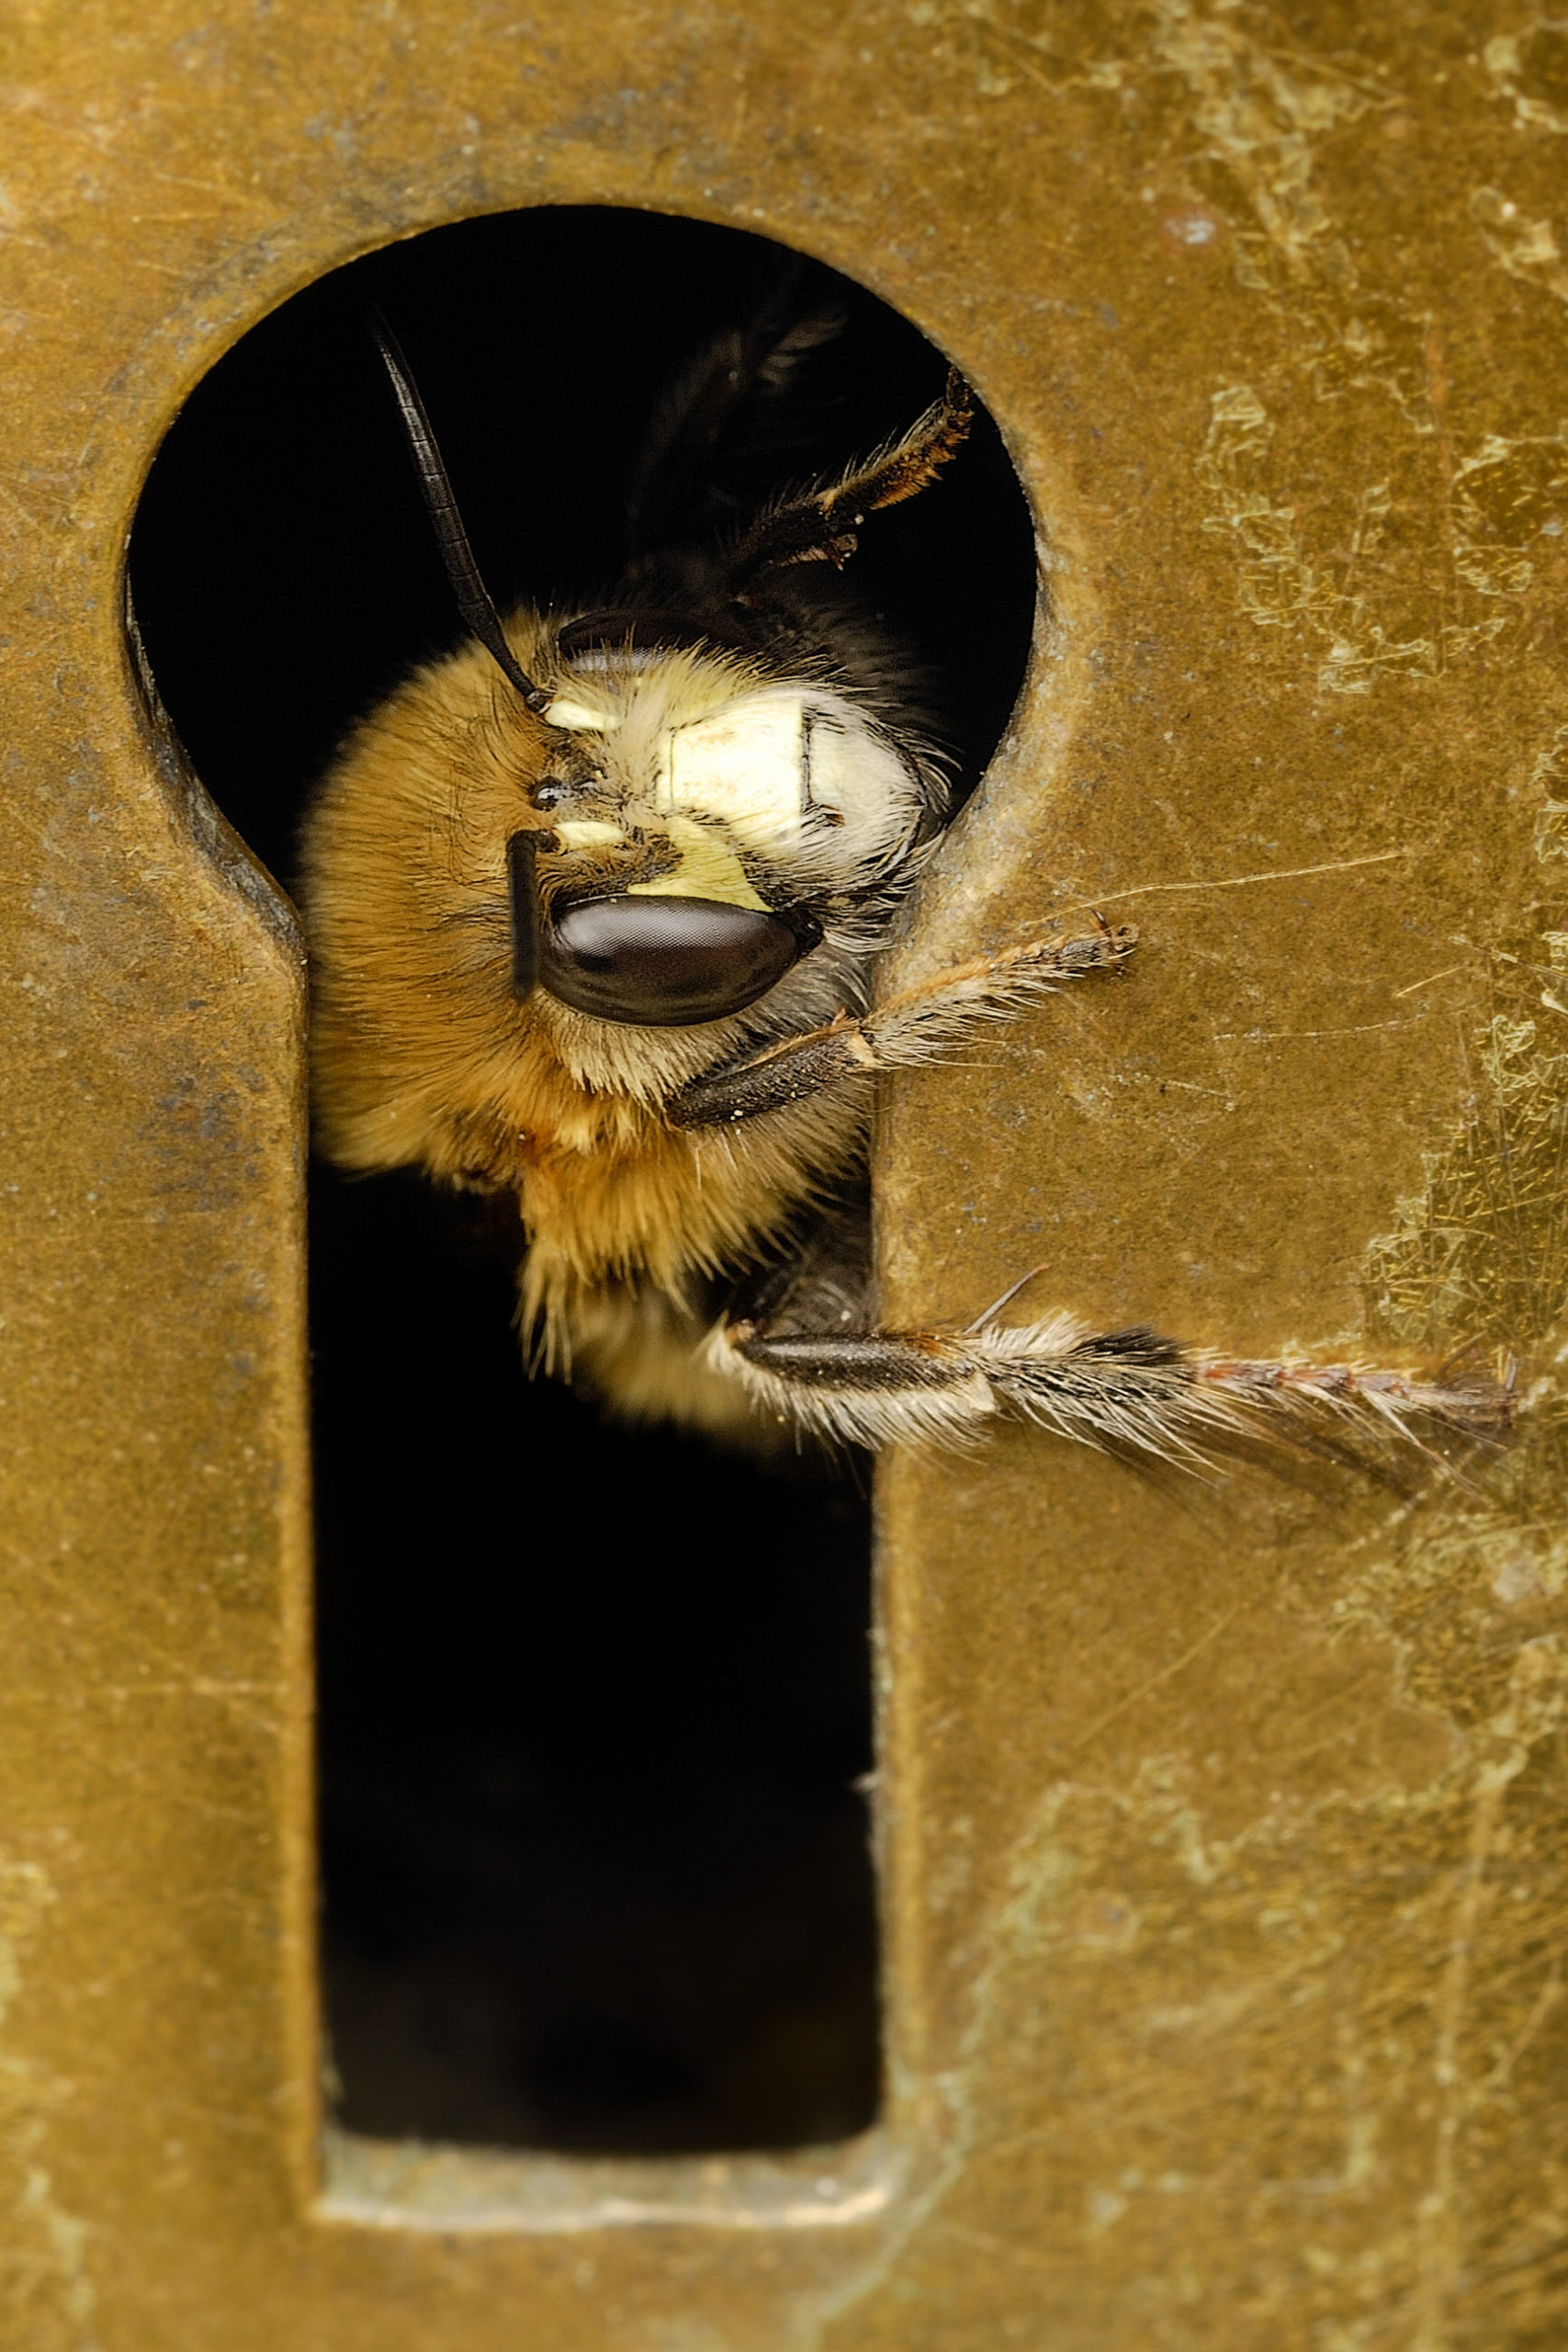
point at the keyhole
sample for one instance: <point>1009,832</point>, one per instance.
<point>595,1702</point>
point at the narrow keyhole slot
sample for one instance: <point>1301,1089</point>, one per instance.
<point>594,1701</point>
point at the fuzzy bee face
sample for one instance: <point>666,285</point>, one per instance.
<point>796,781</point>
<point>674,846</point>
<point>705,825</point>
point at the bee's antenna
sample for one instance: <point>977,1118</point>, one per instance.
<point>473,598</point>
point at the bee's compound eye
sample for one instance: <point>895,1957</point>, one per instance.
<point>664,963</point>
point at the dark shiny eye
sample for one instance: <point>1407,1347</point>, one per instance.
<point>666,963</point>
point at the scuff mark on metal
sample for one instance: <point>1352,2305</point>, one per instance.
<point>1282,583</point>
<point>44,2281</point>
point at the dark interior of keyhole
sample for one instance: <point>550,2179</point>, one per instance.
<point>595,1705</point>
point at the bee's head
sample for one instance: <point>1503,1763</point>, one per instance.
<point>706,813</point>
<point>704,821</point>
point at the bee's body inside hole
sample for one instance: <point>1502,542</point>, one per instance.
<point>596,1702</point>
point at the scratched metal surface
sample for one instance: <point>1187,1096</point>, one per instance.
<point>1222,1831</point>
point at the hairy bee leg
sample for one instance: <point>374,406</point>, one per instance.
<point>823,526</point>
<point>1125,1392</point>
<point>921,1025</point>
<point>1129,1393</point>
<point>1477,1406</point>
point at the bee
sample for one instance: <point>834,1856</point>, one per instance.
<point>595,903</point>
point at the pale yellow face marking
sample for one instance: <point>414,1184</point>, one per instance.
<point>588,832</point>
<point>771,760</point>
<point>580,717</point>
<point>708,869</point>
<point>760,766</point>
<point>744,764</point>
<point>852,769</point>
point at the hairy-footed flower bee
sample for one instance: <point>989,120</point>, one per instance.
<point>595,904</point>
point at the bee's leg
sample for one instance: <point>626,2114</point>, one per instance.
<point>824,526</point>
<point>808,1354</point>
<point>804,1339</point>
<point>1123,1391</point>
<point>924,1025</point>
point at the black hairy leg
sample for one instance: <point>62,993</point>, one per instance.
<point>923,1024</point>
<point>823,526</point>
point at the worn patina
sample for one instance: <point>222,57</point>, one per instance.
<point>1222,1828</point>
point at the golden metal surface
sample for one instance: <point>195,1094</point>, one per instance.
<point>1222,1831</point>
